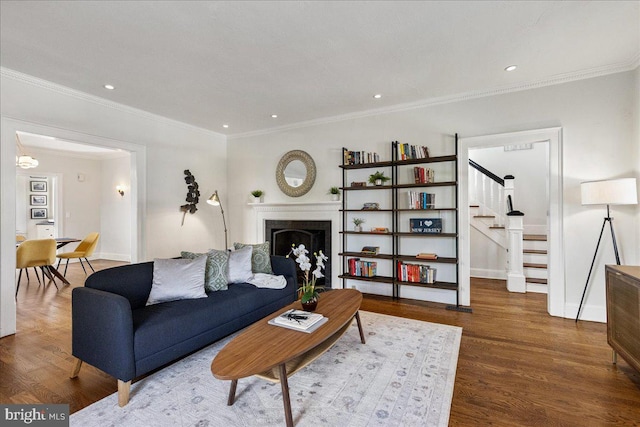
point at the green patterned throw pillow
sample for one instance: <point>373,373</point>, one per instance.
<point>260,258</point>
<point>215,277</point>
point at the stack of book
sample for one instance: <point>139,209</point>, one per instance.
<point>359,157</point>
<point>416,273</point>
<point>370,250</point>
<point>407,152</point>
<point>421,200</point>
<point>360,268</point>
<point>423,175</point>
<point>299,320</point>
<point>423,255</point>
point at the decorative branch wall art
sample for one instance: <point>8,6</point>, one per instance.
<point>193,195</point>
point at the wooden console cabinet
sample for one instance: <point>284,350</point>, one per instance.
<point>623,312</point>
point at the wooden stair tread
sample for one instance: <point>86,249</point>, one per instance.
<point>496,227</point>
<point>535,251</point>
<point>474,206</point>
<point>532,265</point>
<point>534,280</point>
<point>535,237</point>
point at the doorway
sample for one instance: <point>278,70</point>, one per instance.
<point>553,137</point>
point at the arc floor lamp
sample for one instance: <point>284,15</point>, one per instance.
<point>609,192</point>
<point>215,201</point>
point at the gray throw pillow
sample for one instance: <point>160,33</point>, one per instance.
<point>240,265</point>
<point>261,257</point>
<point>215,277</point>
<point>176,279</point>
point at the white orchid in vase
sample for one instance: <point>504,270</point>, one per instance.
<point>309,289</point>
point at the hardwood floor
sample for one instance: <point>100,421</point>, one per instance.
<point>517,366</point>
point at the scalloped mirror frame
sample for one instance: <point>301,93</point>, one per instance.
<point>309,164</point>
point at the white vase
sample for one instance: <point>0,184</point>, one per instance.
<point>257,200</point>
<point>378,182</point>
<point>357,228</point>
<point>335,197</point>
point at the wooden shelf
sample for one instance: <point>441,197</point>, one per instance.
<point>440,260</point>
<point>368,210</point>
<point>425,210</point>
<point>425,184</point>
<point>400,233</point>
<point>438,285</point>
<point>379,279</point>
<point>366,232</point>
<point>368,165</point>
<point>362,255</point>
<point>367,187</point>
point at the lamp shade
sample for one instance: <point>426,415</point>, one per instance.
<point>214,199</point>
<point>610,192</point>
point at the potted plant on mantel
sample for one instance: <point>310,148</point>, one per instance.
<point>257,196</point>
<point>378,178</point>
<point>335,193</point>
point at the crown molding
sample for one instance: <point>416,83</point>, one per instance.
<point>632,64</point>
<point>67,91</point>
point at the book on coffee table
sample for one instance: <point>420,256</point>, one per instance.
<point>299,320</point>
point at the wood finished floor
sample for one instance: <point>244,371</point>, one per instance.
<point>517,366</point>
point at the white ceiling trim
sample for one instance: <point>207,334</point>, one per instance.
<point>632,64</point>
<point>64,90</point>
<point>77,155</point>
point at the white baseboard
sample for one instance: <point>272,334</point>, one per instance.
<point>537,288</point>
<point>483,273</point>
<point>589,313</point>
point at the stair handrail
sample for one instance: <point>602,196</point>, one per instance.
<point>486,172</point>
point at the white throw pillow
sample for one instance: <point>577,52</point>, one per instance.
<point>175,279</point>
<point>240,265</point>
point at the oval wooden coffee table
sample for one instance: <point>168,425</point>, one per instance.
<point>275,353</point>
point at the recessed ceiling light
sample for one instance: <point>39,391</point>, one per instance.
<point>225,126</point>
<point>377,96</point>
<point>109,87</point>
<point>511,68</point>
<point>274,116</point>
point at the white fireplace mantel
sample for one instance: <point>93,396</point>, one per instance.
<point>301,211</point>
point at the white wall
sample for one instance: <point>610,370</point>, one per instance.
<point>115,210</point>
<point>168,146</point>
<point>600,141</point>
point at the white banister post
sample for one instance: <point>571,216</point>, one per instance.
<point>509,190</point>
<point>515,270</point>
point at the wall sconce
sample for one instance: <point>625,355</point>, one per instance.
<point>120,190</point>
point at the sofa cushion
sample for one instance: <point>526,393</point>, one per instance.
<point>175,279</point>
<point>215,277</point>
<point>260,258</point>
<point>239,268</point>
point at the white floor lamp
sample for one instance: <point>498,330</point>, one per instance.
<point>609,192</point>
<point>215,201</point>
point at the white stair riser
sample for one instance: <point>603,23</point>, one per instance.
<point>535,258</point>
<point>537,273</point>
<point>534,244</point>
<point>537,288</point>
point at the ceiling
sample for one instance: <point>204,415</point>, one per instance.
<point>213,63</point>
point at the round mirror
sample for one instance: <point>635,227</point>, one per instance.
<point>296,173</point>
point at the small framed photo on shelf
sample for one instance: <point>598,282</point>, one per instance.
<point>38,200</point>
<point>39,186</point>
<point>39,213</point>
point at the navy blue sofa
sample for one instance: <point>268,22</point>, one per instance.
<point>113,329</point>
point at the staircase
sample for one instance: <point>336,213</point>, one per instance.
<point>535,262</point>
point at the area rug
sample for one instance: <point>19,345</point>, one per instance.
<point>402,376</point>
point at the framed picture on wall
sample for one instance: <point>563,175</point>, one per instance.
<point>38,200</point>
<point>39,213</point>
<point>39,186</point>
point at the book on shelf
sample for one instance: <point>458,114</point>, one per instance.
<point>371,206</point>
<point>359,157</point>
<point>299,320</point>
<point>423,255</point>
<point>408,152</point>
<point>415,273</point>
<point>379,230</point>
<point>423,175</point>
<point>370,250</point>
<point>421,200</point>
<point>360,268</point>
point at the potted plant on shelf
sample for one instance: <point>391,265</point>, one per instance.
<point>358,224</point>
<point>335,193</point>
<point>378,178</point>
<point>309,290</point>
<point>257,196</point>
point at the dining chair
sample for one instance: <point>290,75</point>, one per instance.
<point>84,250</point>
<point>36,253</point>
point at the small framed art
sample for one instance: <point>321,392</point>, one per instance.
<point>39,186</point>
<point>38,200</point>
<point>39,213</point>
